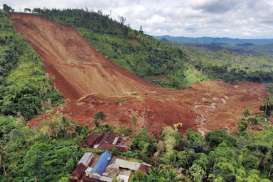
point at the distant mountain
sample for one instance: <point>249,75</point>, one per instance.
<point>212,40</point>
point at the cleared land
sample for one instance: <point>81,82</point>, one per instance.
<point>91,83</point>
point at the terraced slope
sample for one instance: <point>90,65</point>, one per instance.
<point>91,83</point>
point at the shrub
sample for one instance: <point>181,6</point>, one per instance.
<point>99,116</point>
<point>60,127</point>
<point>171,138</point>
<point>144,144</point>
<point>216,137</point>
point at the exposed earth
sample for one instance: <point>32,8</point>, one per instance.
<point>91,83</point>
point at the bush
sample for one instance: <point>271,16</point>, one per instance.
<point>144,144</point>
<point>171,138</point>
<point>161,173</point>
<point>28,156</point>
<point>197,173</point>
<point>194,140</point>
<point>60,127</point>
<point>99,116</point>
<point>242,126</point>
<point>50,161</point>
<point>267,106</point>
<point>214,138</point>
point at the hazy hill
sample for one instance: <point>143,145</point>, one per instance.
<point>212,40</point>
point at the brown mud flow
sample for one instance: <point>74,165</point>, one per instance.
<point>90,83</point>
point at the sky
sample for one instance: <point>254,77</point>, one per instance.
<point>194,18</point>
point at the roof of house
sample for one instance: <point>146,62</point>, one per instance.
<point>93,138</point>
<point>106,141</point>
<point>106,146</point>
<point>122,148</point>
<point>86,159</point>
<point>127,164</point>
<point>108,138</point>
<point>112,170</point>
<point>78,172</point>
<point>88,171</point>
<point>102,163</point>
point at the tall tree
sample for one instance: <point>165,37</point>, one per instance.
<point>7,8</point>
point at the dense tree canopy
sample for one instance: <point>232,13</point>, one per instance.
<point>29,155</point>
<point>25,89</point>
<point>231,66</point>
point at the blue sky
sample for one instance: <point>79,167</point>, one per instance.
<point>216,18</point>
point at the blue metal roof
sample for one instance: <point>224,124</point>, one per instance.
<point>102,163</point>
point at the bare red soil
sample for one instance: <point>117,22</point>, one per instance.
<point>90,83</point>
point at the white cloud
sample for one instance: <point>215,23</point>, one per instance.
<point>221,18</point>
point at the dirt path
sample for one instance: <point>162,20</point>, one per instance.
<point>91,83</point>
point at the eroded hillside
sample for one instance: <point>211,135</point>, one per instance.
<point>91,83</point>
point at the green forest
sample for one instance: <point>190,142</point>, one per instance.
<point>229,59</point>
<point>231,66</point>
<point>50,152</point>
<point>25,89</point>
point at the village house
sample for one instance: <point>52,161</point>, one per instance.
<point>105,169</point>
<point>82,165</point>
<point>107,141</point>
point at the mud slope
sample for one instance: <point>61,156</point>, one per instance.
<point>78,68</point>
<point>91,83</point>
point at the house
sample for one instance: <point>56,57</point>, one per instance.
<point>82,165</point>
<point>107,141</point>
<point>105,168</point>
<point>126,167</point>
